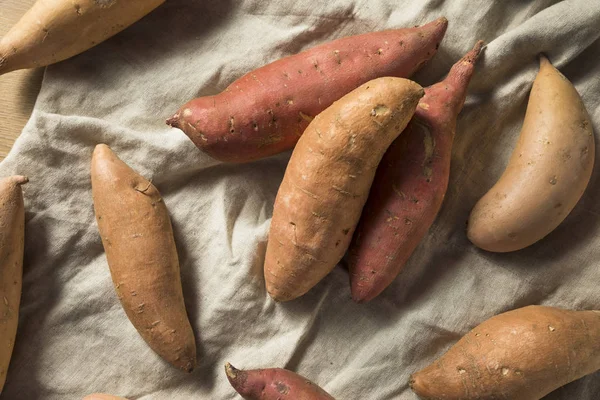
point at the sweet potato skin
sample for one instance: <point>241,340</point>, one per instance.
<point>522,354</point>
<point>547,173</point>
<point>101,396</point>
<point>140,249</point>
<point>327,181</point>
<point>266,111</point>
<point>12,243</point>
<point>273,384</point>
<point>54,30</point>
<point>409,186</point>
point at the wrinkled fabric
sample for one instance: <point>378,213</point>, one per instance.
<point>73,336</point>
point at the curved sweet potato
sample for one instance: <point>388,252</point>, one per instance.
<point>273,384</point>
<point>409,186</point>
<point>265,111</point>
<point>327,182</point>
<point>138,239</point>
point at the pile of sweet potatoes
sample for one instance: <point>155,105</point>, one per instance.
<point>367,177</point>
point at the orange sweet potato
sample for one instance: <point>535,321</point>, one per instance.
<point>409,186</point>
<point>327,182</point>
<point>12,238</point>
<point>54,30</point>
<point>522,354</point>
<point>265,111</point>
<point>140,249</point>
<point>101,396</point>
<point>273,384</point>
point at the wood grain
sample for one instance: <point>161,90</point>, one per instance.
<point>18,89</point>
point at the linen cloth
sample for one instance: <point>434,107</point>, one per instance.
<point>73,336</point>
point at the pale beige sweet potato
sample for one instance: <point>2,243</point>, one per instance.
<point>273,384</point>
<point>54,30</point>
<point>12,239</point>
<point>327,182</point>
<point>547,173</point>
<point>140,249</point>
<point>522,354</point>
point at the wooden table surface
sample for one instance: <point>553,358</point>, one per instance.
<point>18,89</point>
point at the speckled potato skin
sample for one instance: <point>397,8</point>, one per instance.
<point>522,354</point>
<point>100,396</point>
<point>12,242</point>
<point>266,111</point>
<point>273,384</point>
<point>327,182</point>
<point>547,173</point>
<point>54,30</point>
<point>409,186</point>
<point>140,249</point>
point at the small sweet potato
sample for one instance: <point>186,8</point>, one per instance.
<point>100,396</point>
<point>273,384</point>
<point>138,239</point>
<point>409,186</point>
<point>522,354</point>
<point>12,242</point>
<point>327,182</point>
<point>265,111</point>
<point>54,30</point>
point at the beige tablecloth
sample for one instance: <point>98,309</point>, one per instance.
<point>75,339</point>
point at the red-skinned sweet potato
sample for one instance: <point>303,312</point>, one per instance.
<point>265,111</point>
<point>410,185</point>
<point>327,182</point>
<point>273,384</point>
<point>522,354</point>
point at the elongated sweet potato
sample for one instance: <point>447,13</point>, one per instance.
<point>12,239</point>
<point>273,384</point>
<point>100,396</point>
<point>409,186</point>
<point>327,182</point>
<point>522,354</point>
<point>265,111</point>
<point>547,173</point>
<point>138,239</point>
<point>54,30</point>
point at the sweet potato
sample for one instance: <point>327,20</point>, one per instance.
<point>100,396</point>
<point>547,173</point>
<point>327,182</point>
<point>138,239</point>
<point>523,354</point>
<point>409,186</point>
<point>273,384</point>
<point>54,30</point>
<point>12,239</point>
<point>265,111</point>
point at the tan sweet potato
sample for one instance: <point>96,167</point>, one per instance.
<point>12,241</point>
<point>100,396</point>
<point>273,384</point>
<point>522,354</point>
<point>265,111</point>
<point>138,239</point>
<point>54,30</point>
<point>547,173</point>
<point>327,182</point>
<point>409,186</point>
